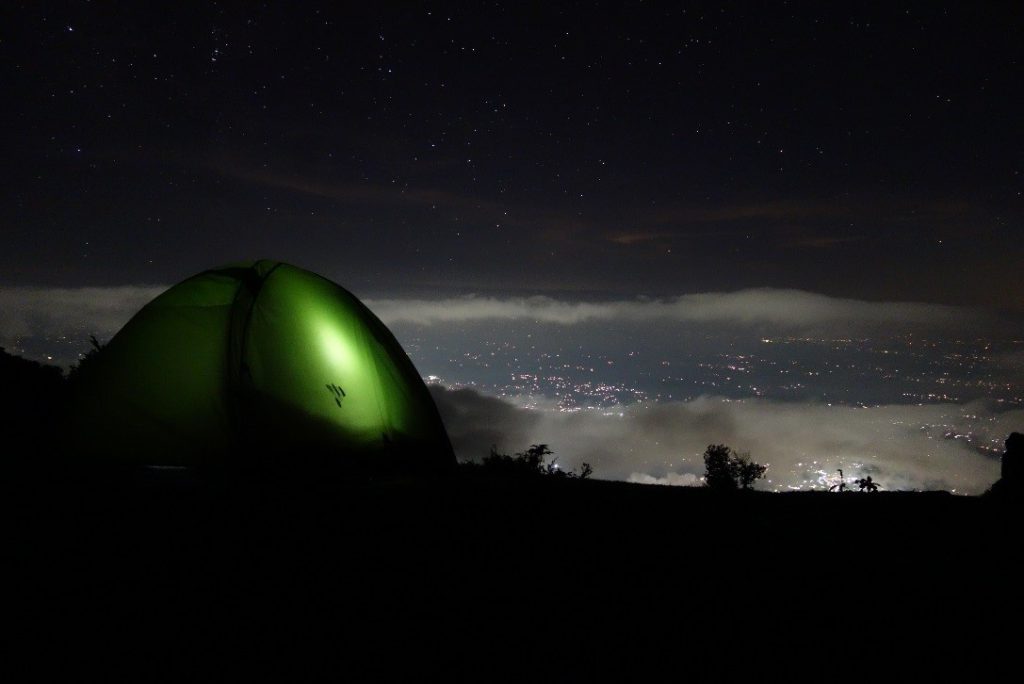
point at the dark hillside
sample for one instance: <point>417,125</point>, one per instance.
<point>32,396</point>
<point>472,560</point>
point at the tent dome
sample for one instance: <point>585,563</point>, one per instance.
<point>262,359</point>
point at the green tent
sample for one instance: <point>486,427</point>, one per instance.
<point>260,361</point>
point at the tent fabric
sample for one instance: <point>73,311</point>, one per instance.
<point>249,359</point>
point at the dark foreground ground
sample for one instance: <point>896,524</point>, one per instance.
<point>474,577</point>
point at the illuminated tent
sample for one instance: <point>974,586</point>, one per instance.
<point>260,361</point>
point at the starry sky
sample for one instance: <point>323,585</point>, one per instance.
<point>576,150</point>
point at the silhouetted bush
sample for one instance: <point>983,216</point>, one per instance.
<point>529,463</point>
<point>866,484</point>
<point>1010,485</point>
<point>87,360</point>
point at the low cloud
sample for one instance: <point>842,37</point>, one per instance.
<point>943,446</point>
<point>672,479</point>
<point>40,312</point>
<point>476,422</point>
<point>787,308</point>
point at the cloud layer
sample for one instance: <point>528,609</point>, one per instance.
<point>46,311</point>
<point>900,446</point>
<point>786,308</point>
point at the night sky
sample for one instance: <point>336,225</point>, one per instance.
<point>625,230</point>
<point>580,150</point>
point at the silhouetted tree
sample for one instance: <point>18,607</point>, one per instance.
<point>725,470</point>
<point>748,471</point>
<point>718,467</point>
